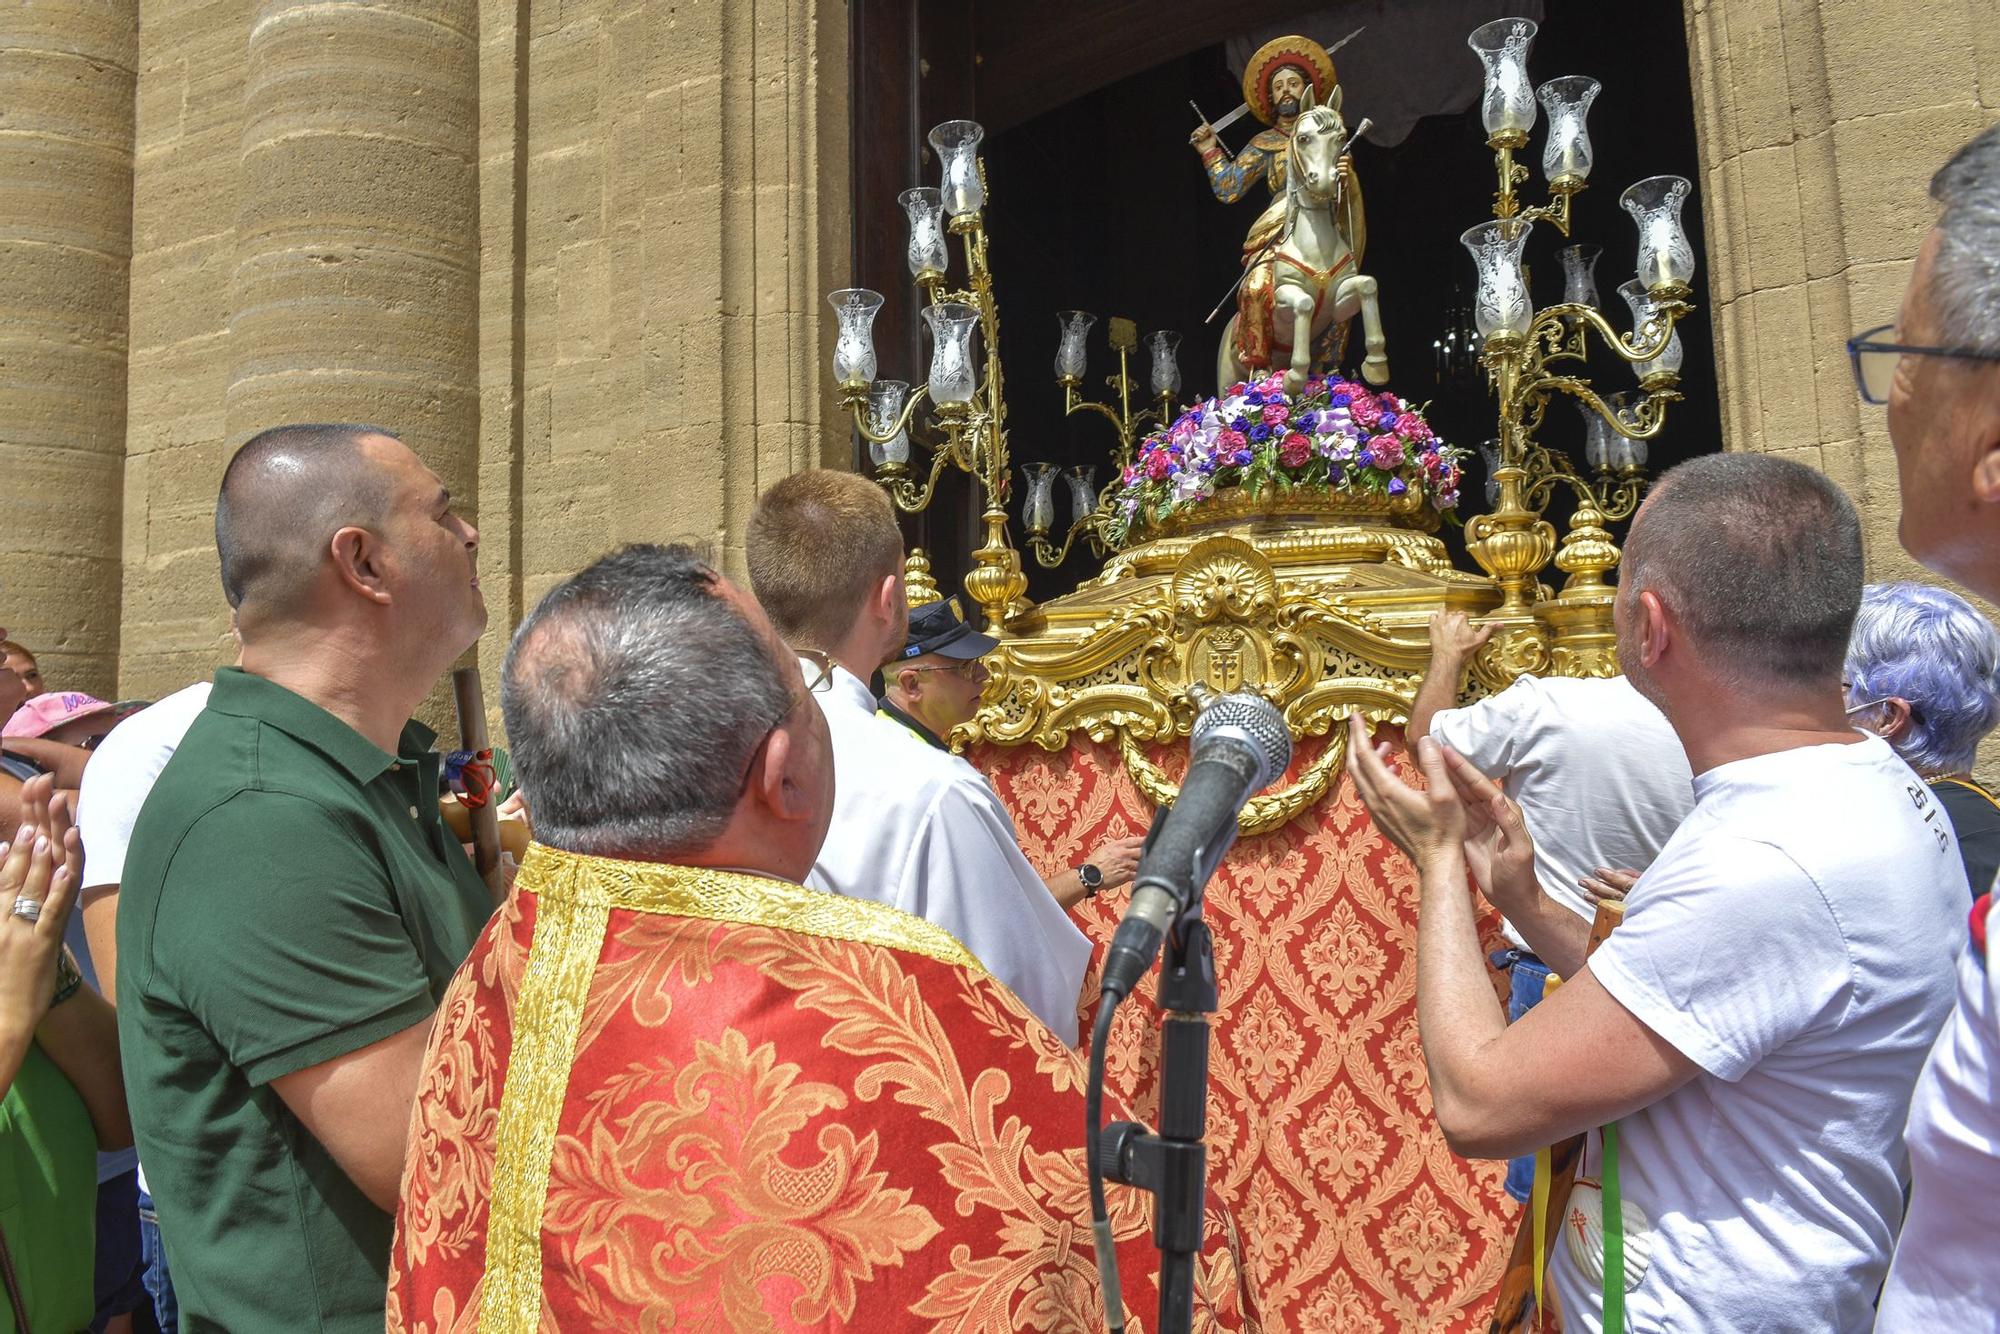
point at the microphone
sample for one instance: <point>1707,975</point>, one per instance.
<point>1238,745</point>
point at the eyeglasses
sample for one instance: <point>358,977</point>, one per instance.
<point>819,679</point>
<point>966,669</point>
<point>1875,360</point>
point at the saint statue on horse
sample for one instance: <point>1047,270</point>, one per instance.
<point>1302,257</point>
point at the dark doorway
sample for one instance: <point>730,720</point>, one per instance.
<point>1099,204</point>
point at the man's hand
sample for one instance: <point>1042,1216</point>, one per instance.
<point>1203,138</point>
<point>1118,859</point>
<point>1428,826</point>
<point>1454,638</point>
<point>1498,847</point>
<point>1607,885</point>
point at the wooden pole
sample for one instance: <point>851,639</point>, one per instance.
<point>485,817</point>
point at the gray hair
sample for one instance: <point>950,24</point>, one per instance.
<point>1932,649</point>
<point>635,695</point>
<point>1759,558</point>
<point>1965,275</point>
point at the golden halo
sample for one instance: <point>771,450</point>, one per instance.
<point>1303,52</point>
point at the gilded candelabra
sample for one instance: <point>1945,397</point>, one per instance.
<point>968,418</point>
<point>1091,507</point>
<point>1531,355</point>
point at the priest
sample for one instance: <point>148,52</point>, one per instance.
<point>673,1088</point>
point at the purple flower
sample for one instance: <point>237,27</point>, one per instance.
<point>1388,421</point>
<point>1397,486</point>
<point>1342,400</point>
<point>1259,433</point>
<point>1365,459</point>
<point>1307,420</point>
<point>1241,458</point>
<point>1241,423</point>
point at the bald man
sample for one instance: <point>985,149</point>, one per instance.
<point>291,906</point>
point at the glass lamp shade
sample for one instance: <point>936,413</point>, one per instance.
<point>1165,346</point>
<point>1489,454</point>
<point>1566,156</point>
<point>1599,439</point>
<point>1501,306</point>
<point>1071,355</point>
<point>1646,320</point>
<point>1625,453</point>
<point>956,143</point>
<point>951,377</point>
<point>1507,106</point>
<point>1082,481</point>
<point>854,345</point>
<point>925,208</point>
<point>1665,257</point>
<point>885,405</point>
<point>1038,508</point>
<point>1579,265</point>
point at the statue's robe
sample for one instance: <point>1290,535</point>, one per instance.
<point>660,1097</point>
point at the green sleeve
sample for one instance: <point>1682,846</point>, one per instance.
<point>278,930</point>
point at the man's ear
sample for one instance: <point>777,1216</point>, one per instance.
<point>357,559</point>
<point>1986,473</point>
<point>776,786</point>
<point>1658,630</point>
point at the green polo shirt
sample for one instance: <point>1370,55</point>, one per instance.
<point>290,896</point>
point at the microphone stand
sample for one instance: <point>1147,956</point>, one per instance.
<point>1173,1164</point>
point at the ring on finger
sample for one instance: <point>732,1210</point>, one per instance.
<point>29,910</point>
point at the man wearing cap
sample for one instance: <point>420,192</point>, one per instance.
<point>914,827</point>
<point>54,733</point>
<point>934,684</point>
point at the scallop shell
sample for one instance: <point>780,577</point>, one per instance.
<point>1583,1233</point>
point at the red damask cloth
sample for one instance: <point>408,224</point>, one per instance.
<point>658,1098</point>
<point>1354,1215</point>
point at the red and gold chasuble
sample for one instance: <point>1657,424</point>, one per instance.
<point>659,1097</point>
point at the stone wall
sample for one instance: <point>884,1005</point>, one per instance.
<point>66,80</point>
<point>572,253</point>
<point>1820,124</point>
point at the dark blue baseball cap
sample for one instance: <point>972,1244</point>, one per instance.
<point>941,628</point>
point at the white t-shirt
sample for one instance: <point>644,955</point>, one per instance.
<point>1795,940</point>
<point>1600,777</point>
<point>115,786</point>
<point>921,830</point>
<point>1944,1275</point>
<point>121,774</point>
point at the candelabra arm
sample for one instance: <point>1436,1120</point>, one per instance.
<point>1049,556</point>
<point>1551,317</point>
<point>908,495</point>
<point>1555,212</point>
<point>857,406</point>
<point>1648,419</point>
<point>1074,402</point>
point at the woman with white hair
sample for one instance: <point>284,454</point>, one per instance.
<point>1923,672</point>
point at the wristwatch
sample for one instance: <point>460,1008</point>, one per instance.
<point>1092,878</point>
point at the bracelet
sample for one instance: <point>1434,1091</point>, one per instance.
<point>68,979</point>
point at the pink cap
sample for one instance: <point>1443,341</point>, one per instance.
<point>44,713</point>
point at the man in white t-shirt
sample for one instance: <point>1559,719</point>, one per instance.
<point>913,827</point>
<point>1601,780</point>
<point>1756,1024</point>
<point>1941,379</point>
<point>115,786</point>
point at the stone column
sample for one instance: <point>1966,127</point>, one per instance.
<point>66,108</point>
<point>1820,125</point>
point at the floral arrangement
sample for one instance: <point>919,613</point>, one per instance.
<point>1333,436</point>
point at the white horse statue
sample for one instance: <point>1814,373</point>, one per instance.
<point>1303,280</point>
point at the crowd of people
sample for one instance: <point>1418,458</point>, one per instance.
<point>777,1025</point>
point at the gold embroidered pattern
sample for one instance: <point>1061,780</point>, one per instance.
<point>568,935</point>
<point>710,895</point>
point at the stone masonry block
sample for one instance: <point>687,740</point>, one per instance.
<point>1896,57</point>
<point>1884,165</point>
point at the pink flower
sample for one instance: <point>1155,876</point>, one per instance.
<point>1272,384</point>
<point>1158,465</point>
<point>1276,414</point>
<point>1388,451</point>
<point>1365,409</point>
<point>1129,476</point>
<point>1412,427</point>
<point>1230,441</point>
<point>1295,451</point>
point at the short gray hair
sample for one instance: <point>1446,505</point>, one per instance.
<point>1965,275</point>
<point>1933,649</point>
<point>635,695</point>
<point>1759,558</point>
